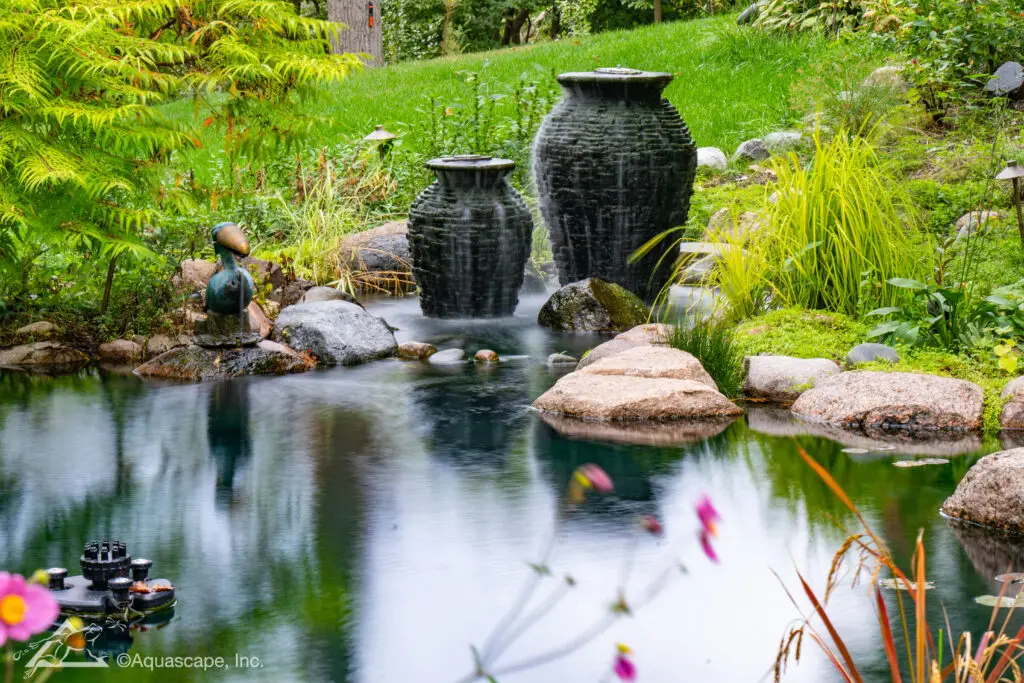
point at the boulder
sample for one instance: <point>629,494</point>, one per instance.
<point>887,77</point>
<point>711,157</point>
<point>382,252</point>
<point>258,320</point>
<point>969,223</point>
<point>783,378</point>
<point>416,350</point>
<point>335,332</point>
<point>783,140</point>
<point>195,363</point>
<point>37,331</point>
<point>162,343</point>
<point>314,294</point>
<point>893,400</point>
<point>194,274</point>
<point>291,292</point>
<point>1007,81</point>
<point>992,492</point>
<point>640,433</point>
<point>120,352</point>
<point>866,353</point>
<point>621,397</point>
<point>449,357</point>
<point>264,272</point>
<point>1012,416</point>
<point>752,150</point>
<point>654,362</point>
<point>592,305</point>
<point>562,360</point>
<point>749,15</point>
<point>486,356</point>
<point>42,353</point>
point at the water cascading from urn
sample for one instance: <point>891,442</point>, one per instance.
<point>614,165</point>
<point>469,239</point>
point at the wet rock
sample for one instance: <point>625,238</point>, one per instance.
<point>711,157</point>
<point>752,150</point>
<point>120,352</point>
<point>641,433</point>
<point>592,305</point>
<point>449,357</point>
<point>992,492</point>
<point>1012,416</point>
<point>194,274</point>
<point>291,292</point>
<point>533,283</point>
<point>866,353</point>
<point>1007,81</point>
<point>335,332</point>
<point>486,356</point>
<point>782,378</point>
<point>893,400</point>
<point>195,363</point>
<point>38,331</point>
<point>888,77</point>
<point>258,320</point>
<point>748,15</point>
<point>561,360</point>
<point>382,253</point>
<point>416,350</point>
<point>264,272</point>
<point>314,294</point>
<point>969,223</point>
<point>783,140</point>
<point>42,353</point>
<point>619,397</point>
<point>653,362</point>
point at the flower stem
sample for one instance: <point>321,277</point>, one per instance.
<point>9,658</point>
<point>532,618</point>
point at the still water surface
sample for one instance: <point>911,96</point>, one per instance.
<point>366,524</point>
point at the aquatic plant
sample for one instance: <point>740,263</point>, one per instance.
<point>586,479</point>
<point>993,659</point>
<point>714,344</point>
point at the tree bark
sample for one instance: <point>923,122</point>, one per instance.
<point>358,36</point>
<point>657,11</point>
<point>514,23</point>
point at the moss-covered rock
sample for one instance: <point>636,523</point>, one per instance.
<point>196,363</point>
<point>592,305</point>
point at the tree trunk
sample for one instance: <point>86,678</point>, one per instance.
<point>556,21</point>
<point>514,27</point>
<point>657,11</point>
<point>362,35</point>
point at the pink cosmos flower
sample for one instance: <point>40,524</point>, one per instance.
<point>708,515</point>
<point>624,667</point>
<point>705,544</point>
<point>597,477</point>
<point>25,608</point>
<point>652,525</point>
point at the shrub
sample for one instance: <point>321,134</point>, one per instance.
<point>714,345</point>
<point>831,16</point>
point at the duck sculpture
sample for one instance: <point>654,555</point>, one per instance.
<point>230,291</point>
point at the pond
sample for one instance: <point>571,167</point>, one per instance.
<point>367,524</point>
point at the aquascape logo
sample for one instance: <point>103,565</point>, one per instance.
<point>66,648</point>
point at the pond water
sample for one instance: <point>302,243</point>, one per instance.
<point>367,524</point>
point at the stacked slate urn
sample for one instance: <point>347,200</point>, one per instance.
<point>614,165</point>
<point>469,239</point>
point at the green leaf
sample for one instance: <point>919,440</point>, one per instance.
<point>906,283</point>
<point>884,329</point>
<point>885,311</point>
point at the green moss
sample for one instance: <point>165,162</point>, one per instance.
<point>625,308</point>
<point>800,333</point>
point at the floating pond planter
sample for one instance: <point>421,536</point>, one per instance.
<point>614,165</point>
<point>111,584</point>
<point>469,239</point>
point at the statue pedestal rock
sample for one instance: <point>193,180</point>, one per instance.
<point>225,331</point>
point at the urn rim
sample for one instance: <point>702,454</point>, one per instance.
<point>470,162</point>
<point>614,75</point>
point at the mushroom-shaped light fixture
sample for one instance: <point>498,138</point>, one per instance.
<point>382,138</point>
<point>1014,172</point>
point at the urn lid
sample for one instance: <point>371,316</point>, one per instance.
<point>470,162</point>
<point>616,74</point>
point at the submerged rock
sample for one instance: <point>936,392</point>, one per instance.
<point>449,357</point>
<point>893,401</point>
<point>711,157</point>
<point>592,305</point>
<point>991,493</point>
<point>653,362</point>
<point>38,331</point>
<point>416,350</point>
<point>335,332</point>
<point>618,397</point>
<point>561,360</point>
<point>486,356</point>
<point>195,363</point>
<point>120,352</point>
<point>782,378</point>
<point>866,353</point>
<point>42,353</point>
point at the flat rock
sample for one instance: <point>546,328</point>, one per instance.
<point>592,305</point>
<point>992,492</point>
<point>449,357</point>
<point>195,363</point>
<point>335,332</point>
<point>618,397</point>
<point>42,353</point>
<point>783,140</point>
<point>120,352</point>
<point>1012,416</point>
<point>783,378</point>
<point>893,400</point>
<point>752,150</point>
<point>258,320</point>
<point>640,433</point>
<point>37,331</point>
<point>654,362</point>
<point>416,350</point>
<point>609,348</point>
<point>866,353</point>
<point>711,157</point>
<point>648,333</point>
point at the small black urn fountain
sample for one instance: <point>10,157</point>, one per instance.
<point>111,584</point>
<point>469,239</point>
<point>614,165</point>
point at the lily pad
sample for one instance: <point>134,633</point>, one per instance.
<point>1012,577</point>
<point>1000,602</point>
<point>920,463</point>
<point>897,584</point>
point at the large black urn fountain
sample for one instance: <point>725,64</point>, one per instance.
<point>614,165</point>
<point>469,239</point>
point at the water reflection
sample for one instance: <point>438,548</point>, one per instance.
<point>227,428</point>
